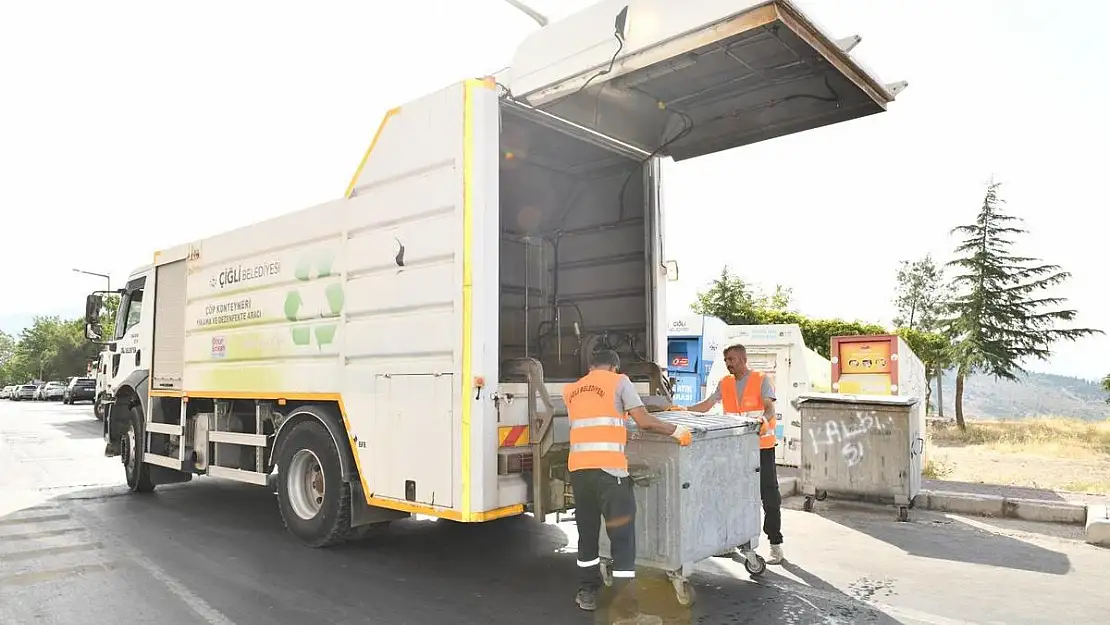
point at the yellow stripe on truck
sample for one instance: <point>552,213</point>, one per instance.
<point>365,157</point>
<point>468,286</point>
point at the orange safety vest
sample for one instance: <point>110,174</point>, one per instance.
<point>597,431</point>
<point>750,401</point>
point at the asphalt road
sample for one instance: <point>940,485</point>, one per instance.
<point>75,547</point>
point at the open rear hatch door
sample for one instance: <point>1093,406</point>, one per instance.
<point>693,77</point>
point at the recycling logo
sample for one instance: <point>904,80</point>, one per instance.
<point>324,323</point>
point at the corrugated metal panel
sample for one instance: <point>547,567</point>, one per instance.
<point>169,327</point>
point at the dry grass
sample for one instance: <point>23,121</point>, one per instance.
<point>1054,453</point>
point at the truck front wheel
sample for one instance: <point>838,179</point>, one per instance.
<point>314,500</point>
<point>131,447</point>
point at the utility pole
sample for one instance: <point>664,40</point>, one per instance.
<point>99,275</point>
<point>539,18</point>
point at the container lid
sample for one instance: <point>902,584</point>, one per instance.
<point>844,398</point>
<point>708,422</point>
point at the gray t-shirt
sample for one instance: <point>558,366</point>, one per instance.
<point>766,391</point>
<point>626,399</point>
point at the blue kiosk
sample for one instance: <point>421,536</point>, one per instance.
<point>693,343</point>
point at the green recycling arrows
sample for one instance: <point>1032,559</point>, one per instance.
<point>323,261</point>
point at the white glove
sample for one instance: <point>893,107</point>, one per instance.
<point>683,434</point>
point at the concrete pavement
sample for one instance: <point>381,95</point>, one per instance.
<point>75,547</point>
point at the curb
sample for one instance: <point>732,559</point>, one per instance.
<point>1095,517</point>
<point>1006,507</point>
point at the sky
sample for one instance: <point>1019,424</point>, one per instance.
<point>127,127</point>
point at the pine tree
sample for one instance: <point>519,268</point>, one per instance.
<point>1001,316</point>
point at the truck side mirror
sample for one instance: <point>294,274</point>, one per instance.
<point>93,303</point>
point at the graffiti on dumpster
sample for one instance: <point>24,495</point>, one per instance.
<point>850,435</point>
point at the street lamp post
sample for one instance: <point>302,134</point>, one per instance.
<point>540,18</point>
<point>99,275</point>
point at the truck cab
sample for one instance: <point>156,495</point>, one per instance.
<point>124,365</point>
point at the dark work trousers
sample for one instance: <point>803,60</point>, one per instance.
<point>598,495</point>
<point>772,498</point>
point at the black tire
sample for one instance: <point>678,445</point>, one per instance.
<point>137,472</point>
<point>331,523</point>
<point>757,569</point>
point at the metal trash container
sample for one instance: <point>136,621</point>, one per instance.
<point>867,446</point>
<point>694,502</point>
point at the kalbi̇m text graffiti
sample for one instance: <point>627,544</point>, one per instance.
<point>850,437</point>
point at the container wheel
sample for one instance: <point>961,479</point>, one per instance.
<point>755,566</point>
<point>683,592</point>
<point>822,495</point>
<point>807,505</point>
<point>606,572</point>
<point>314,501</point>
<point>903,513</point>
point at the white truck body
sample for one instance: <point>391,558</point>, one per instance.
<point>780,352</point>
<point>484,248</point>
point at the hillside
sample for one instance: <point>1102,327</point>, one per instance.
<point>1037,394</point>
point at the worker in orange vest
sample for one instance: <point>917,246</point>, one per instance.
<point>597,406</point>
<point>751,393</point>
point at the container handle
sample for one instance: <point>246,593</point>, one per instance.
<point>642,477</point>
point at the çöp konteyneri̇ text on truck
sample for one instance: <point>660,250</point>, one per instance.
<point>401,350</point>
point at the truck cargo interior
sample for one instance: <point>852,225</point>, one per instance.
<point>573,249</point>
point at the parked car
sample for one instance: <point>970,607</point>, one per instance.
<point>25,391</point>
<point>53,391</point>
<point>79,389</point>
<point>6,392</point>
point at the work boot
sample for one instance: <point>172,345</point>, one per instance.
<point>586,599</point>
<point>776,555</point>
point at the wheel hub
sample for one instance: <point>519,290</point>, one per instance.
<point>306,484</point>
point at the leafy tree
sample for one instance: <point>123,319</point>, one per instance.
<point>1106,386</point>
<point>920,295</point>
<point>729,298</point>
<point>51,349</point>
<point>7,347</point>
<point>1001,315</point>
<point>733,300</point>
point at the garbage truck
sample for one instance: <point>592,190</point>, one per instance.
<point>402,349</point>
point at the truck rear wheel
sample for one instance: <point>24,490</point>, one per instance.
<point>314,500</point>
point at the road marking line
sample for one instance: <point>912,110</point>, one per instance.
<point>41,534</point>
<point>211,615</point>
<point>33,519</point>
<point>48,551</point>
<point>24,579</point>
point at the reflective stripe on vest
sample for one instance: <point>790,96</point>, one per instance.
<point>597,430</point>
<point>750,401</point>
